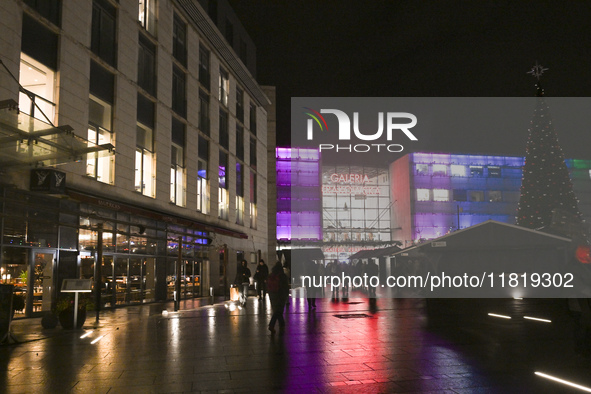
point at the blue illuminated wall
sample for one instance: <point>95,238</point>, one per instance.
<point>299,202</point>
<point>434,194</point>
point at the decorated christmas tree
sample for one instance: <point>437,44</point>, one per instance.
<point>545,185</point>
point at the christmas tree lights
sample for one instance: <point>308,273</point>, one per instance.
<point>545,184</point>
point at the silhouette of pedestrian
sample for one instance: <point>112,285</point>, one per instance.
<point>278,289</point>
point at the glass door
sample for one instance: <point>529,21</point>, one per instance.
<point>136,279</point>
<point>43,280</point>
<point>121,281</point>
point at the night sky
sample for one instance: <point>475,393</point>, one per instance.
<point>426,49</point>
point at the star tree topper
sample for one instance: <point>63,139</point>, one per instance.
<point>537,71</point>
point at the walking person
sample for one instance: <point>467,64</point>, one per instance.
<point>243,280</point>
<point>260,277</point>
<point>312,272</point>
<point>278,289</point>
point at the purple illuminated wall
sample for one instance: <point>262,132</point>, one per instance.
<point>299,200</point>
<point>474,189</point>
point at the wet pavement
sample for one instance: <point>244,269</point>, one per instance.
<point>349,346</point>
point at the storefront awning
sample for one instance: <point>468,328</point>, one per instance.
<point>27,141</point>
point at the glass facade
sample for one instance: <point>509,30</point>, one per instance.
<point>299,200</point>
<point>58,239</point>
<point>356,209</point>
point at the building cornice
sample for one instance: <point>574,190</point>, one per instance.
<point>209,31</point>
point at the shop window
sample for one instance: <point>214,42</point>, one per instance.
<point>239,142</point>
<point>224,87</point>
<point>177,164</point>
<point>495,196</point>
<point>240,104</point>
<point>145,177</point>
<point>103,31</point>
<point>439,170</point>
<point>99,132</point>
<point>476,171</point>
<point>38,81</point>
<point>476,195</point>
<point>423,195</point>
<point>494,171</point>
<point>224,132</point>
<point>460,195</point>
<point>202,176</point>
<point>179,92</point>
<point>204,74</point>
<point>179,40</point>
<point>223,192</point>
<point>203,112</point>
<point>147,15</point>
<point>440,195</point>
<point>146,77</point>
<point>458,170</point>
<point>422,169</point>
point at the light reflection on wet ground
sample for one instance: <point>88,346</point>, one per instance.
<point>396,346</point>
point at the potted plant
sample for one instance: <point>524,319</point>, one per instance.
<point>65,310</point>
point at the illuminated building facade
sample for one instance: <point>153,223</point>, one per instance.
<point>355,209</point>
<point>434,194</point>
<point>170,87</point>
<point>299,202</point>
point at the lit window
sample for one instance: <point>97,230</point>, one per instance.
<point>439,169</point>
<point>202,176</point>
<point>99,132</point>
<point>440,195</point>
<point>147,15</point>
<point>224,87</point>
<point>38,81</point>
<point>458,170</point>
<point>476,196</point>
<point>177,164</point>
<point>422,169</point>
<point>145,177</point>
<point>476,171</point>
<point>422,194</point>
<point>239,194</point>
<point>223,192</point>
<point>253,199</point>
<point>495,196</point>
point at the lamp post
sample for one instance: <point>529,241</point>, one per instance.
<point>177,283</point>
<point>98,271</point>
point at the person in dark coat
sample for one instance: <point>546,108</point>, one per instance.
<point>278,289</point>
<point>372,269</point>
<point>260,277</point>
<point>243,279</point>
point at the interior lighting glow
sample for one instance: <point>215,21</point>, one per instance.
<point>86,334</point>
<point>96,340</point>
<point>566,382</point>
<point>501,316</point>
<point>537,319</point>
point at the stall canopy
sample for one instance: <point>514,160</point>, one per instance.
<point>27,141</point>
